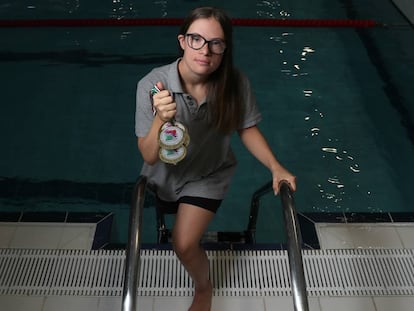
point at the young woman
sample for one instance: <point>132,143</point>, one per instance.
<point>211,99</point>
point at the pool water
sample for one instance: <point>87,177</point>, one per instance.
<point>336,102</point>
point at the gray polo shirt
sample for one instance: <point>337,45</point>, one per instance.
<point>208,167</point>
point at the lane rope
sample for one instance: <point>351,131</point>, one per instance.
<point>249,22</point>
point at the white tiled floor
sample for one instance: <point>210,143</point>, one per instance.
<point>365,235</point>
<point>331,236</point>
<point>27,303</point>
<point>407,7</point>
<point>47,235</point>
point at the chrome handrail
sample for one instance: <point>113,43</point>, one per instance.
<point>294,242</point>
<point>132,260</point>
<point>294,239</point>
<point>254,211</point>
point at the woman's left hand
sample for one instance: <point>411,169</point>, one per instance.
<point>281,174</point>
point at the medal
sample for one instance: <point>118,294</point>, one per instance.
<point>172,156</point>
<point>173,139</point>
<point>172,135</point>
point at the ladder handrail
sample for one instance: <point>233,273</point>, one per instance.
<point>294,239</point>
<point>132,260</point>
<point>294,243</point>
<point>254,210</point>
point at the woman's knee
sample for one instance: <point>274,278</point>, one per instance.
<point>184,247</point>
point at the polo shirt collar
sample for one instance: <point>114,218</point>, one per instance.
<point>175,81</point>
<point>174,78</point>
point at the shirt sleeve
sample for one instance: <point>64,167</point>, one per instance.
<point>252,115</point>
<point>143,111</point>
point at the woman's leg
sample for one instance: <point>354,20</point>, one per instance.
<point>190,224</point>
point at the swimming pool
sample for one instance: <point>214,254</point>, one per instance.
<point>337,107</point>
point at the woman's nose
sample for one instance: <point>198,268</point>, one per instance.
<point>206,49</point>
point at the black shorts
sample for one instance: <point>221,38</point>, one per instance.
<point>171,207</point>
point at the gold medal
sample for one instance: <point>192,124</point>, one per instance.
<point>172,156</point>
<point>173,139</point>
<point>172,136</point>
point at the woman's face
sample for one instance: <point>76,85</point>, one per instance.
<point>203,61</point>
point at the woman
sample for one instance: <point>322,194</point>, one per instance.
<point>211,99</point>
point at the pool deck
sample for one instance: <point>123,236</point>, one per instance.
<point>407,8</point>
<point>332,236</point>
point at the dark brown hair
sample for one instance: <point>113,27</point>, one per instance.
<point>224,97</point>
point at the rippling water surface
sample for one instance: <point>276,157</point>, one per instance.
<point>336,103</point>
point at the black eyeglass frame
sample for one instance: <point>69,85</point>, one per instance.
<point>208,42</point>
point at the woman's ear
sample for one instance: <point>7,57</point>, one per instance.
<point>181,40</point>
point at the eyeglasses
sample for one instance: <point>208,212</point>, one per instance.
<point>196,42</point>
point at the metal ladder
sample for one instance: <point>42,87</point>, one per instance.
<point>132,264</point>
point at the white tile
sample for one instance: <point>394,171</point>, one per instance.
<point>172,303</point>
<point>7,231</point>
<point>286,303</point>
<point>218,304</point>
<point>115,303</point>
<point>407,8</point>
<point>21,303</point>
<point>37,236</point>
<point>359,235</point>
<point>347,303</point>
<point>77,236</point>
<point>334,236</point>
<point>394,303</point>
<point>238,304</point>
<point>376,235</point>
<point>71,303</point>
<point>406,233</point>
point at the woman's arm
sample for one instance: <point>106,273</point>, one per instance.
<point>255,142</point>
<point>148,145</point>
<point>165,108</point>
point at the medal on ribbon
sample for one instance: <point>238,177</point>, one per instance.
<point>173,139</point>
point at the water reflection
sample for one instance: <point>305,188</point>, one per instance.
<point>336,178</point>
<point>271,9</point>
<point>292,68</point>
<point>69,6</point>
<point>122,9</point>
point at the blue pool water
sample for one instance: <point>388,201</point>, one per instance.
<point>336,102</point>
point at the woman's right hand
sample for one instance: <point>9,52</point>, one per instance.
<point>163,103</point>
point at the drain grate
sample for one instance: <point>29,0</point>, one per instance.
<point>369,272</point>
